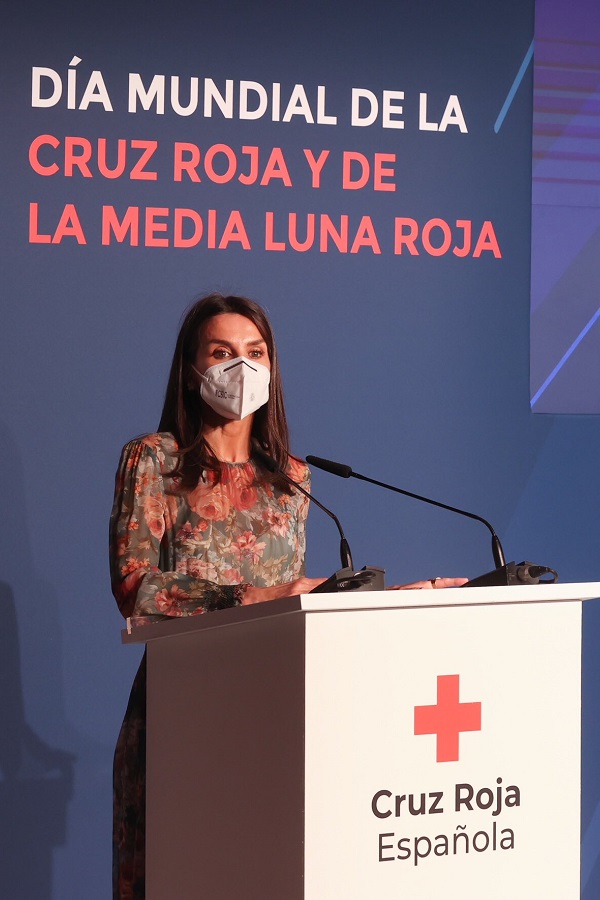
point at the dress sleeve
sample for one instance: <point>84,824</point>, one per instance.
<point>138,521</point>
<point>299,471</point>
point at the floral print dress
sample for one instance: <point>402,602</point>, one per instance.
<point>182,554</point>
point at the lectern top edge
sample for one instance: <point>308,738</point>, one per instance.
<point>475,596</point>
<point>362,601</point>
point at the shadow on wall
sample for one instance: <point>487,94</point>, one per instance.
<point>37,780</point>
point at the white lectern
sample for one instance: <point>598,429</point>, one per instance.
<point>368,746</point>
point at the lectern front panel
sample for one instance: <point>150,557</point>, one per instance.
<point>443,753</point>
<point>226,763</point>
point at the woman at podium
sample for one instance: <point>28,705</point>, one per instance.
<point>197,524</point>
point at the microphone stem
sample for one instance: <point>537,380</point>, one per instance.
<point>496,545</point>
<point>345,555</point>
<point>271,466</point>
<point>497,551</point>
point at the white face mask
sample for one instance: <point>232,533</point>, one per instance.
<point>236,387</point>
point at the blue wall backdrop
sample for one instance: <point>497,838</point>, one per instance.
<point>405,341</point>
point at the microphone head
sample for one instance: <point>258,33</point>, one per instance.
<point>328,466</point>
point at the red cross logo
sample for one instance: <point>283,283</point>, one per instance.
<point>448,718</point>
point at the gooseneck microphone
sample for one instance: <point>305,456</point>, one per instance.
<point>269,463</point>
<point>504,574</point>
<point>346,472</point>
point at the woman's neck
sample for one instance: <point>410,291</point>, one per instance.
<point>230,440</point>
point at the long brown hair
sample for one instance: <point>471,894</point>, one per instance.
<point>182,409</point>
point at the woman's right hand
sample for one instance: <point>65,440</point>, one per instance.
<point>261,595</point>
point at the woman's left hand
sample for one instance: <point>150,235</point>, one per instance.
<point>429,584</point>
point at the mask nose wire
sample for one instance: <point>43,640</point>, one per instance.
<point>227,368</point>
<point>241,362</point>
